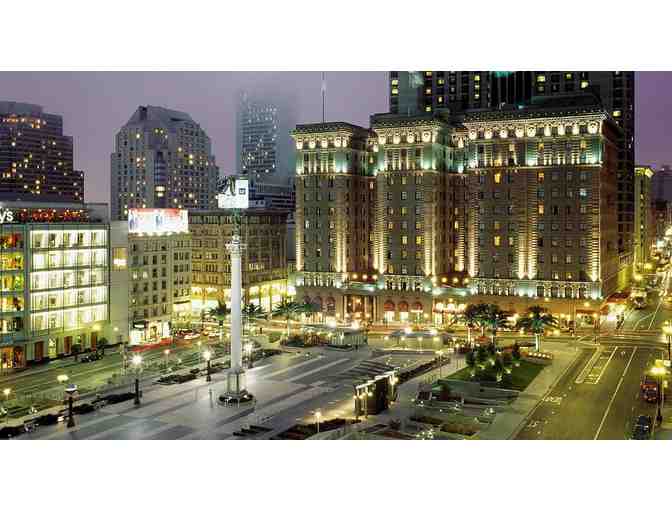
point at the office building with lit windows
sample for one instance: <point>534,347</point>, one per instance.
<point>154,246</point>
<point>263,143</point>
<point>421,214</point>
<point>643,237</point>
<point>36,162</point>
<point>162,159</point>
<point>54,280</point>
<point>264,257</point>
<point>460,91</point>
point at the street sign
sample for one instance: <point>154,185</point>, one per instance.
<point>235,194</point>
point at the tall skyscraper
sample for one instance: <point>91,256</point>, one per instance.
<point>162,159</point>
<point>661,184</point>
<point>36,162</point>
<point>263,142</point>
<point>457,91</point>
<point>643,236</point>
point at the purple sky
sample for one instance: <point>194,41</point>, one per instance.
<point>94,105</point>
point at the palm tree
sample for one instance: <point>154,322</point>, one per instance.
<point>472,317</point>
<point>537,322</point>
<point>308,308</point>
<point>289,310</point>
<point>220,312</point>
<point>494,319</point>
<point>253,313</point>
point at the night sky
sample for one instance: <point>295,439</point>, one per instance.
<point>94,105</point>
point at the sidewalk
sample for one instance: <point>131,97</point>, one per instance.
<point>508,422</point>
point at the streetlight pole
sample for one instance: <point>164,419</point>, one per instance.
<point>71,390</point>
<point>137,363</point>
<point>318,415</point>
<point>667,329</point>
<point>658,372</point>
<point>207,355</point>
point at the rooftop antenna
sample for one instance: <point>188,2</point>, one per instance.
<point>324,92</point>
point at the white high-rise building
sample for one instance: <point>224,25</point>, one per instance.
<point>162,159</point>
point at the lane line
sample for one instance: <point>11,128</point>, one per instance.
<point>589,365</point>
<point>292,367</point>
<point>660,302</point>
<point>613,397</point>
<point>604,368</point>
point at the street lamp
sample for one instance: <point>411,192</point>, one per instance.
<point>658,372</point>
<point>440,353</point>
<point>248,351</point>
<point>667,329</point>
<point>71,389</point>
<point>208,356</point>
<point>318,415</point>
<point>6,393</point>
<point>166,353</point>
<point>137,364</point>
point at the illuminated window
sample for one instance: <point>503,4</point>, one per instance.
<point>496,225</point>
<point>440,99</point>
<point>395,91</point>
<point>512,241</point>
<point>497,240</point>
<point>540,176</point>
<point>428,73</point>
<point>540,209</point>
<point>428,108</point>
<point>617,113</point>
<point>477,77</point>
<point>584,84</point>
<point>541,78</point>
<point>428,91</point>
<point>498,177</point>
<point>404,240</point>
<point>418,240</point>
<point>395,82</point>
<point>569,76</point>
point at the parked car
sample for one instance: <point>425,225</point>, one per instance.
<point>192,336</point>
<point>650,395</point>
<point>643,427</point>
<point>90,357</point>
<point>648,383</point>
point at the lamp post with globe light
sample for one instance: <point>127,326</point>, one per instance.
<point>318,415</point>
<point>71,389</point>
<point>659,372</point>
<point>137,365</point>
<point>667,329</point>
<point>207,355</point>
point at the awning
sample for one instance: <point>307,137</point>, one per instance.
<point>389,306</point>
<point>317,304</point>
<point>403,306</point>
<point>417,306</point>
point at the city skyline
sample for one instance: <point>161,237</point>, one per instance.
<point>94,104</point>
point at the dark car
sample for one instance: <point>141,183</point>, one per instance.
<point>650,395</point>
<point>643,427</point>
<point>90,357</point>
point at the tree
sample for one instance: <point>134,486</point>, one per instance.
<point>220,312</point>
<point>515,354</point>
<point>102,344</point>
<point>498,368</point>
<point>494,319</point>
<point>537,321</point>
<point>308,308</point>
<point>288,310</point>
<point>472,317</point>
<point>75,350</point>
<point>470,360</point>
<point>253,313</point>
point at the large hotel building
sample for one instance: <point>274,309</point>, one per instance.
<point>420,214</point>
<point>460,91</point>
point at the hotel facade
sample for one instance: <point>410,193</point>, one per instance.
<point>420,215</point>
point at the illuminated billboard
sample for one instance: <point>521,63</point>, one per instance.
<point>235,194</point>
<point>157,221</point>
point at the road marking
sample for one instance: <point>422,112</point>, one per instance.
<point>589,366</point>
<point>660,302</point>
<point>604,368</point>
<point>613,397</point>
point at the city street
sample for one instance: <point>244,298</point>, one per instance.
<point>598,398</point>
